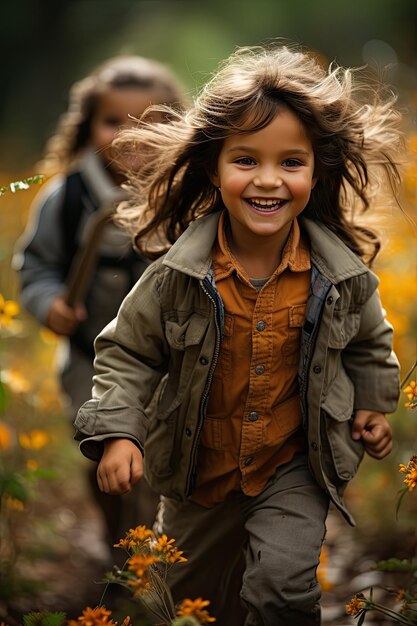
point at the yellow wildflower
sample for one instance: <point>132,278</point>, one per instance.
<point>170,553</point>
<point>33,440</point>
<point>48,336</point>
<point>411,391</point>
<point>8,310</point>
<point>32,465</point>
<point>14,504</point>
<point>355,605</point>
<point>5,436</point>
<point>135,538</point>
<point>93,617</point>
<point>411,472</point>
<point>195,608</point>
<point>16,382</point>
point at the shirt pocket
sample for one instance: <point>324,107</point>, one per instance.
<point>285,420</point>
<point>291,346</point>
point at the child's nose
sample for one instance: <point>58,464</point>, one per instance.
<point>268,178</point>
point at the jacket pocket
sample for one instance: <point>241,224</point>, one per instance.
<point>159,446</point>
<point>189,333</point>
<point>291,346</point>
<point>341,454</point>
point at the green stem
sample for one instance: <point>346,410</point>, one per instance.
<point>408,374</point>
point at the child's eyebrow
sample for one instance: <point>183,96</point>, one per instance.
<point>243,148</point>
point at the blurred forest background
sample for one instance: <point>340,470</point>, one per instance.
<point>48,537</point>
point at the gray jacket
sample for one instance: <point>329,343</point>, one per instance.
<point>40,252</point>
<point>171,322</point>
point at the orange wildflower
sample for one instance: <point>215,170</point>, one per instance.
<point>93,617</point>
<point>135,538</point>
<point>5,436</point>
<point>14,504</point>
<point>195,608</point>
<point>139,563</point>
<point>169,552</point>
<point>33,440</point>
<point>8,310</point>
<point>32,465</point>
<point>411,391</point>
<point>411,472</point>
<point>355,605</point>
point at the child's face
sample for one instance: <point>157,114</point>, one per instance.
<point>266,178</point>
<point>112,113</point>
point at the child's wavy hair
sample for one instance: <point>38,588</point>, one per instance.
<point>355,141</point>
<point>73,130</point>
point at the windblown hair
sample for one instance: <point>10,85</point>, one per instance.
<point>73,130</point>
<point>354,132</point>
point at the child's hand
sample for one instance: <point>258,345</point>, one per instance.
<point>63,319</point>
<point>375,431</point>
<point>121,466</point>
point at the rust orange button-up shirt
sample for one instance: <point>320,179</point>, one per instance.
<point>254,415</point>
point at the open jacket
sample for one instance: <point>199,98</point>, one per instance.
<point>171,322</point>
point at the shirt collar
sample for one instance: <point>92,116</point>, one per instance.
<point>295,256</point>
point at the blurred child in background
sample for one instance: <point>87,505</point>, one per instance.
<point>86,182</point>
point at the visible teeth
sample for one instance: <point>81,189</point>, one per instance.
<point>266,202</point>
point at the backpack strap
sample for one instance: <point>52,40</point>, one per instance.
<point>72,209</point>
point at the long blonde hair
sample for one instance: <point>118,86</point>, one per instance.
<point>354,131</point>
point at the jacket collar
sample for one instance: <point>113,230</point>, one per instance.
<point>98,180</point>
<point>330,255</point>
<point>191,253</point>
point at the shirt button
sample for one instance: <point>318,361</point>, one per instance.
<point>248,461</point>
<point>329,300</point>
<point>253,417</point>
<point>203,360</point>
<point>314,446</point>
<point>259,369</point>
<point>188,432</point>
<point>317,369</point>
<point>260,326</point>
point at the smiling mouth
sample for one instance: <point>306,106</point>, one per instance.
<point>266,205</point>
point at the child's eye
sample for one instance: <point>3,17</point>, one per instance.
<point>115,122</point>
<point>245,161</point>
<point>292,163</point>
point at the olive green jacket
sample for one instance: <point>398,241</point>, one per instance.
<point>171,323</point>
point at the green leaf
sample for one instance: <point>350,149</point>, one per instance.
<point>44,618</point>
<point>3,397</point>
<point>185,621</point>
<point>42,474</point>
<point>12,485</point>
<point>396,565</point>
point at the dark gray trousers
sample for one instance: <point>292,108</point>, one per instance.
<point>272,540</point>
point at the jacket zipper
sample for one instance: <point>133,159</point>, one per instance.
<point>212,296</point>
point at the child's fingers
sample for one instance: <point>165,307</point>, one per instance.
<point>136,468</point>
<point>378,447</point>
